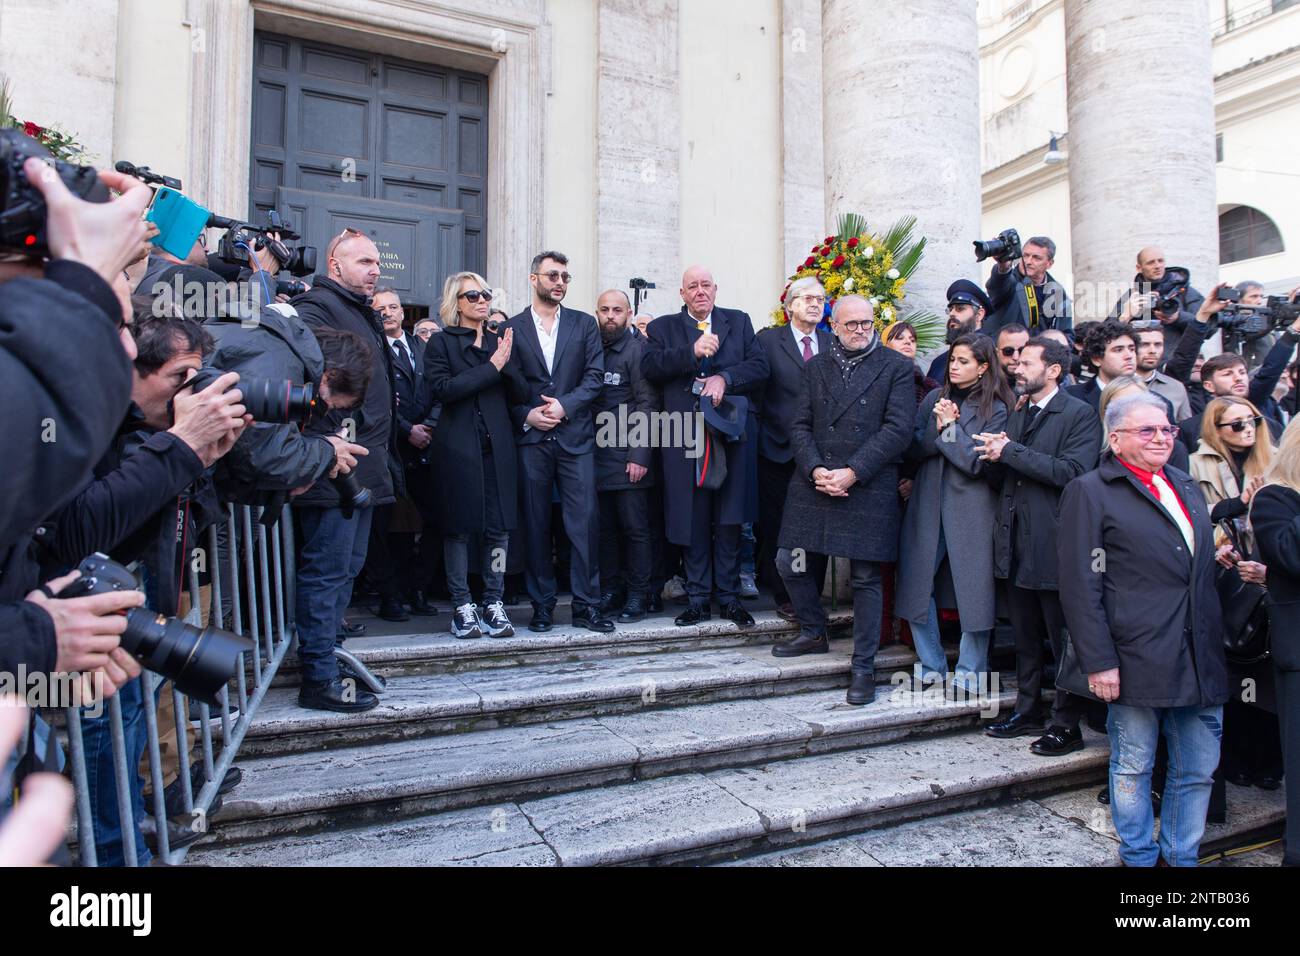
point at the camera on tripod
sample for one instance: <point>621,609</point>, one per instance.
<point>242,238</point>
<point>1005,248</point>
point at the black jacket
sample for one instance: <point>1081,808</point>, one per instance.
<point>328,304</point>
<point>1133,597</point>
<point>1009,293</point>
<point>1275,520</point>
<point>413,404</point>
<point>270,460</point>
<point>670,363</point>
<point>1177,282</point>
<point>1034,469</point>
<point>779,400</point>
<point>626,400</point>
<point>461,377</point>
<point>575,379</point>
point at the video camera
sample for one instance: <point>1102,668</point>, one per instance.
<point>1239,321</point>
<point>299,262</point>
<point>198,661</point>
<point>1005,248</point>
<point>22,207</point>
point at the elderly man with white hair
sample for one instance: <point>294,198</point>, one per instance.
<point>852,425</point>
<point>1137,560</point>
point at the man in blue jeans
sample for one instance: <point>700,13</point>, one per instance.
<point>1137,571</point>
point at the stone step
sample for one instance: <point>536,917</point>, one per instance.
<point>691,817</point>
<point>422,705</point>
<point>1064,829</point>
<point>283,794</point>
<point>427,646</point>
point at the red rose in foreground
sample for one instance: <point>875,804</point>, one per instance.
<point>812,261</point>
<point>32,130</point>
<point>826,250</point>
<point>853,243</point>
<point>839,261</point>
<point>829,240</point>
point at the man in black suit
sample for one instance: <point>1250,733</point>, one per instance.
<point>706,354</point>
<point>1112,348</point>
<point>1051,440</point>
<point>787,349</point>
<point>559,352</point>
<point>415,426</point>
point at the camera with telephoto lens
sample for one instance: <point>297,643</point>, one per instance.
<point>1005,248</point>
<point>22,207</point>
<point>198,660</point>
<point>289,287</point>
<point>274,401</point>
<point>243,236</point>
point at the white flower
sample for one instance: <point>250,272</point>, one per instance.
<point>875,301</point>
<point>892,274</point>
<point>848,285</point>
<point>868,252</point>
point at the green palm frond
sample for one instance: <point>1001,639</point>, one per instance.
<point>906,250</point>
<point>6,101</point>
<point>851,224</point>
<point>931,330</point>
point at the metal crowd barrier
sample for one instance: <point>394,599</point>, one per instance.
<point>251,579</point>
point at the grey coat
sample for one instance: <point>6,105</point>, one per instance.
<point>951,490</point>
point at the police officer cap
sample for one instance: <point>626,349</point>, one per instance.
<point>968,293</point>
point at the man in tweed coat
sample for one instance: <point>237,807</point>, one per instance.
<point>853,423</point>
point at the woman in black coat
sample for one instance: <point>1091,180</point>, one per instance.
<point>468,371</point>
<point>1275,519</point>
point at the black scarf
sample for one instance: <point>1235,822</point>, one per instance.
<point>849,362</point>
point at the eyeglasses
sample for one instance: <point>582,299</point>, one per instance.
<point>1010,351</point>
<point>1147,433</point>
<point>553,276</point>
<point>473,295</point>
<point>1241,424</point>
<point>815,299</point>
<point>862,326</point>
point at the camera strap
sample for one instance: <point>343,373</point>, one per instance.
<point>1032,297</point>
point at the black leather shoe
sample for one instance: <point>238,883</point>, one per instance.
<point>542,620</point>
<point>801,645</point>
<point>1017,725</point>
<point>695,614</point>
<point>1240,779</point>
<point>633,610</point>
<point>735,613</point>
<point>421,607</point>
<point>592,620</point>
<point>609,601</point>
<point>390,609</point>
<point>332,695</point>
<point>862,689</point>
<point>786,612</point>
<point>1058,742</point>
<point>352,630</point>
<point>655,603</point>
<point>1267,781</point>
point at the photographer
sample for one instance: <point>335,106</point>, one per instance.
<point>1160,292</point>
<point>1022,290</point>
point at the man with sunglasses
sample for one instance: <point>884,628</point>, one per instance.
<point>1012,338</point>
<point>1137,568</point>
<point>560,354</point>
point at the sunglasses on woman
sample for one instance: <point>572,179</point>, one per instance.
<point>1240,424</point>
<point>473,295</point>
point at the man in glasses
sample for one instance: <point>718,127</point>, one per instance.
<point>559,352</point>
<point>968,308</point>
<point>707,354</point>
<point>1012,338</point>
<point>1137,568</point>
<point>334,539</point>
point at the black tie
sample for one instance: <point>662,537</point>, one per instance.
<point>404,355</point>
<point>1030,414</point>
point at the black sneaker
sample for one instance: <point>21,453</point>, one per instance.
<point>496,623</point>
<point>214,714</point>
<point>465,623</point>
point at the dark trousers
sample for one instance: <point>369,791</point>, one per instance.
<point>1037,616</point>
<point>1288,716</point>
<point>381,569</point>
<point>805,590</point>
<point>666,558</point>
<point>625,553</point>
<point>331,553</point>
<point>713,556</point>
<point>424,570</point>
<point>773,483</point>
<point>542,467</point>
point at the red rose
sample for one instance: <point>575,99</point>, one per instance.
<point>853,243</point>
<point>816,248</point>
<point>829,240</point>
<point>826,250</point>
<point>32,130</point>
<point>812,261</point>
<point>839,261</point>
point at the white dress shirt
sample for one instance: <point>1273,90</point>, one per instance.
<point>409,358</point>
<point>800,336</point>
<point>547,339</point>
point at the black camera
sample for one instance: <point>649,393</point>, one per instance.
<point>289,286</point>
<point>641,284</point>
<point>352,493</point>
<point>198,661</point>
<point>22,207</point>
<point>299,262</point>
<point>1005,248</point>
<point>274,401</point>
<point>1250,321</point>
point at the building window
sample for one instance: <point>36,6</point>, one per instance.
<point>1218,148</point>
<point>1246,233</point>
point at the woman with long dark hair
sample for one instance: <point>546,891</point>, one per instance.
<point>946,547</point>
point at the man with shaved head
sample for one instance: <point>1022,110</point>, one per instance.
<point>1161,292</point>
<point>706,354</point>
<point>334,538</point>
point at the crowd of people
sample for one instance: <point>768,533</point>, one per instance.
<point>1098,491</point>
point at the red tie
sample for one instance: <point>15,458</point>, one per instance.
<point>807,348</point>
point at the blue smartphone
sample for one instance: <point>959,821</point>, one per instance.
<point>179,220</point>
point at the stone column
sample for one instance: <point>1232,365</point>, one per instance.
<point>1140,91</point>
<point>803,167</point>
<point>902,136</point>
